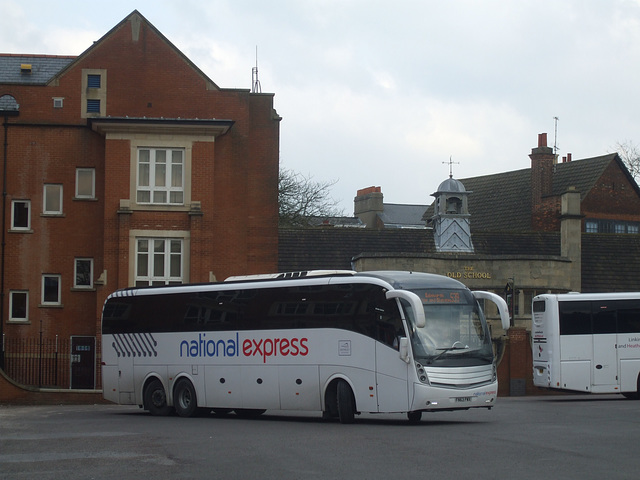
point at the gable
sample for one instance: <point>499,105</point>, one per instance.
<point>614,195</point>
<point>144,74</point>
<point>135,34</point>
<point>581,174</point>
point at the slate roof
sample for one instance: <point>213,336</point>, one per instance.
<point>610,262</point>
<point>43,68</point>
<point>502,201</point>
<point>403,216</point>
<point>345,222</point>
<point>329,248</point>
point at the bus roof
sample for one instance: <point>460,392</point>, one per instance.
<point>575,296</point>
<point>395,279</point>
<point>410,280</point>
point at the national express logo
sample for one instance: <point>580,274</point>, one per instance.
<point>250,347</point>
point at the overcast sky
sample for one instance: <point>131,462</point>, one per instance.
<point>384,93</point>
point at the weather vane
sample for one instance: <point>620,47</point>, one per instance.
<point>451,162</point>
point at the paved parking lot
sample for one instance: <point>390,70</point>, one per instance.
<point>582,437</point>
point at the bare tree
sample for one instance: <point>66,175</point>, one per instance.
<point>630,154</point>
<point>301,197</point>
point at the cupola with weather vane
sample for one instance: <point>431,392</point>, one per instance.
<point>451,220</point>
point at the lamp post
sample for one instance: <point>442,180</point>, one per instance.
<point>8,108</point>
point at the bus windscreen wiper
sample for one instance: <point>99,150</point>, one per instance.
<point>455,346</point>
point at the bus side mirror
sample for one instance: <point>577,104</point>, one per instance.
<point>413,300</point>
<point>500,303</point>
<point>404,349</point>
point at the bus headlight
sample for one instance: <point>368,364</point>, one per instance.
<point>422,374</point>
<point>494,373</point>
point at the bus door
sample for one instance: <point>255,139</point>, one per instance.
<point>391,370</point>
<point>391,380</point>
<point>605,353</point>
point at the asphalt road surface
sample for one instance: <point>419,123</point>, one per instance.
<point>559,437</point>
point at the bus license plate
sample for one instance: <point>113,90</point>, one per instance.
<point>463,399</point>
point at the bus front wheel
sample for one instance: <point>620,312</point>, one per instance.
<point>184,398</point>
<point>155,399</point>
<point>414,417</point>
<point>346,402</point>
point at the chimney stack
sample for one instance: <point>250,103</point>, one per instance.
<point>542,161</point>
<point>367,204</point>
<point>542,166</point>
<point>542,140</point>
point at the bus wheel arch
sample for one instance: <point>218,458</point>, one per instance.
<point>339,400</point>
<point>154,397</point>
<point>634,395</point>
<point>185,399</point>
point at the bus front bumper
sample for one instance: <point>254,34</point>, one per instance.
<point>427,398</point>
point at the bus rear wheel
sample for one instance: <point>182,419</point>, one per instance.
<point>346,402</point>
<point>155,399</point>
<point>184,398</point>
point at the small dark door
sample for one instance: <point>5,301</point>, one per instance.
<point>83,362</point>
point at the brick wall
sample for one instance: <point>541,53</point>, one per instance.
<point>234,177</point>
<point>613,197</point>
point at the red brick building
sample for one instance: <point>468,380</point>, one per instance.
<point>126,166</point>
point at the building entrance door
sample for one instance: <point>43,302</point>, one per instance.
<point>83,362</point>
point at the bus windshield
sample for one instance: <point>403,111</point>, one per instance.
<point>455,332</point>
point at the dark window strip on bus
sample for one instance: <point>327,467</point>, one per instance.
<point>362,308</point>
<point>598,317</point>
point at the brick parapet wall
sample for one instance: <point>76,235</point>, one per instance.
<point>12,393</point>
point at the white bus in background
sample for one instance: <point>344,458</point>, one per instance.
<point>587,342</point>
<point>339,342</point>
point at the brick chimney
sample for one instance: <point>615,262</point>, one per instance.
<point>544,207</point>
<point>542,162</point>
<point>367,205</point>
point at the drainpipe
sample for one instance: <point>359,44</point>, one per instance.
<point>7,114</point>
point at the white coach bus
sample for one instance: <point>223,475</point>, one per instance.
<point>339,342</point>
<point>587,342</point>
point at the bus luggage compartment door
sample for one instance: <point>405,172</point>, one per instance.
<point>223,386</point>
<point>299,387</point>
<point>260,387</point>
<point>576,375</point>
